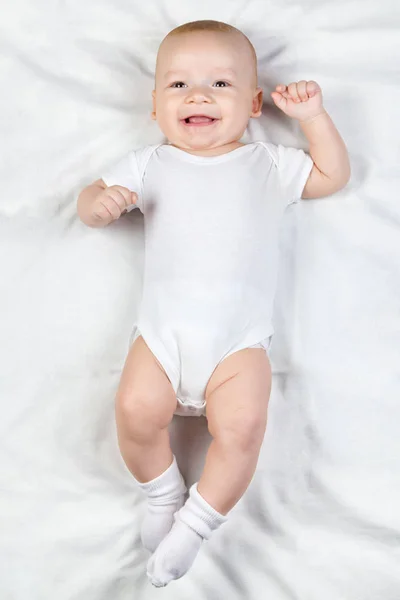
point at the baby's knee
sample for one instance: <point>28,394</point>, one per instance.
<point>142,413</point>
<point>243,430</point>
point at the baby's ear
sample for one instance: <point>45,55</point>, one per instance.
<point>257,103</point>
<point>153,114</point>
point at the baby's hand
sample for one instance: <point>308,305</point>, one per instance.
<point>301,100</point>
<point>111,203</point>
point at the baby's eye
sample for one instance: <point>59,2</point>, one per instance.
<point>178,84</point>
<point>221,83</point>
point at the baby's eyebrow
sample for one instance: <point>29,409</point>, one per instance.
<point>169,74</point>
<point>226,71</point>
<point>218,70</point>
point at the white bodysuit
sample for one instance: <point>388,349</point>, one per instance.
<point>211,252</point>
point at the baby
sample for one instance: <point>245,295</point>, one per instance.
<point>212,208</point>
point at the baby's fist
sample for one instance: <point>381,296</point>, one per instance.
<point>111,203</point>
<point>300,100</point>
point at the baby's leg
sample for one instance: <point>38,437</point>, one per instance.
<point>237,403</point>
<point>237,400</point>
<point>145,405</point>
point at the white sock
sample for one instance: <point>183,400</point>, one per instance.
<point>194,523</point>
<point>165,495</point>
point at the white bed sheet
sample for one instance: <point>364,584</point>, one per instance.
<point>321,518</point>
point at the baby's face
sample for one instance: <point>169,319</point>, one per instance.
<point>205,91</point>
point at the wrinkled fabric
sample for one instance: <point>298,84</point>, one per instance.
<point>321,518</point>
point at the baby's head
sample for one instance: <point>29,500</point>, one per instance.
<point>206,86</point>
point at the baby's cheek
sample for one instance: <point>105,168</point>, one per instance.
<point>167,112</point>
<point>239,109</point>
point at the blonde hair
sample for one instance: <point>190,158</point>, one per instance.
<point>206,25</point>
<point>216,26</point>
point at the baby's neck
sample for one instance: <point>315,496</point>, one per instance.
<point>217,151</point>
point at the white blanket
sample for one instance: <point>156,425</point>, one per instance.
<point>321,520</point>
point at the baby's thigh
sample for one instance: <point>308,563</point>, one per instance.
<point>144,392</point>
<point>238,392</point>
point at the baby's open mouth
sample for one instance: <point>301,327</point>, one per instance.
<point>199,120</point>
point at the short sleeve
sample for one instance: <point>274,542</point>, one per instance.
<point>126,173</point>
<point>294,169</point>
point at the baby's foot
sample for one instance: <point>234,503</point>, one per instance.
<point>158,521</point>
<point>165,495</point>
<point>176,553</point>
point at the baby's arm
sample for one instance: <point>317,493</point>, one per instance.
<point>331,170</point>
<point>99,205</point>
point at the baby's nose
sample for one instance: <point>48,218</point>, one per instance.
<point>198,95</point>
